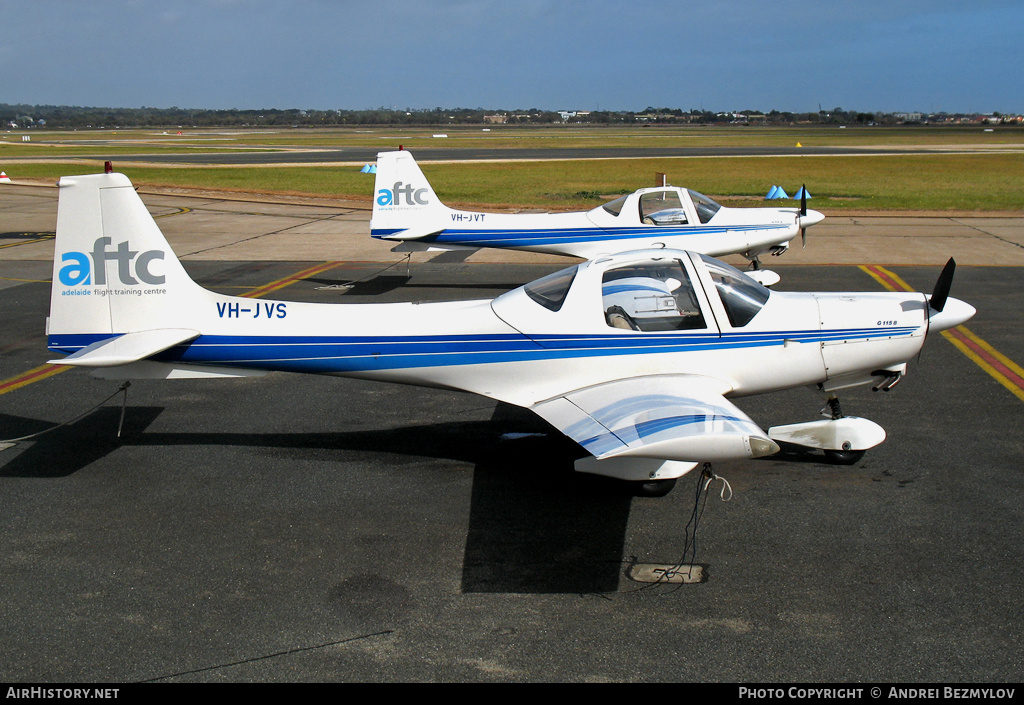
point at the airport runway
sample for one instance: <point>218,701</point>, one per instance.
<point>359,155</point>
<point>292,528</point>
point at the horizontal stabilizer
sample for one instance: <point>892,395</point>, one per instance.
<point>413,246</point>
<point>148,369</point>
<point>415,233</point>
<point>127,348</point>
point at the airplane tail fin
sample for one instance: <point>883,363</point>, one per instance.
<point>113,271</point>
<point>404,204</point>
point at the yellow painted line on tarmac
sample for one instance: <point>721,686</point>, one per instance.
<point>887,279</point>
<point>1001,368</point>
<point>289,280</point>
<point>26,242</point>
<point>181,211</point>
<point>27,378</point>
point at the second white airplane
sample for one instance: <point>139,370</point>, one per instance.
<point>406,209</point>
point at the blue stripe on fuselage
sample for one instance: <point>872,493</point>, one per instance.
<point>340,354</point>
<point>560,236</point>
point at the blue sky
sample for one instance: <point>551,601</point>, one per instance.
<point>866,55</point>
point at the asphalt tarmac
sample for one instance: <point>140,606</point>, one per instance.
<point>295,528</point>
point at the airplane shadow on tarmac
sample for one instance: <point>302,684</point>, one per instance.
<point>535,525</point>
<point>62,450</point>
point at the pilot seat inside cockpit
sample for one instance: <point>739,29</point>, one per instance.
<point>654,296</point>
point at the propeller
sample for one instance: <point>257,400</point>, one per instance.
<point>943,312</point>
<point>937,302</point>
<point>941,291</point>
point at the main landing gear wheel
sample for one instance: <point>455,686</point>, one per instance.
<point>655,488</point>
<point>844,457</point>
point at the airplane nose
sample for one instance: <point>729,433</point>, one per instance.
<point>952,314</point>
<point>811,218</point>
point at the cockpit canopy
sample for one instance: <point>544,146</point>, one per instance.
<point>665,206</point>
<point>649,291</point>
<point>650,296</point>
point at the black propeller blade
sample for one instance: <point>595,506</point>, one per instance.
<point>941,291</point>
<point>803,214</point>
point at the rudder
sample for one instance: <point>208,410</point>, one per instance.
<point>113,270</point>
<point>403,198</point>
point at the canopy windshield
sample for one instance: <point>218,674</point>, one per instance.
<point>615,207</point>
<point>550,291</point>
<point>706,207</point>
<point>742,297</point>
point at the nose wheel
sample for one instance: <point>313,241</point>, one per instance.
<point>843,439</point>
<point>843,456</point>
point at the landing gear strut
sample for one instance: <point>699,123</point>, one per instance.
<point>843,456</point>
<point>765,277</point>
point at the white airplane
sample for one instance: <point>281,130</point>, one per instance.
<point>636,356</point>
<point>406,209</point>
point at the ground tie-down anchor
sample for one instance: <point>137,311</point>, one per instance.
<point>686,569</point>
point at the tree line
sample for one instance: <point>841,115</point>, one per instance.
<point>71,117</point>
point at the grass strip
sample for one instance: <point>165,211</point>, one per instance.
<point>954,182</point>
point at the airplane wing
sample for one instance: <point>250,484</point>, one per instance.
<point>416,233</point>
<point>128,348</point>
<point>671,417</point>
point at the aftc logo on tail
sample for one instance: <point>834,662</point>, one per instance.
<point>393,196</point>
<point>130,264</point>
